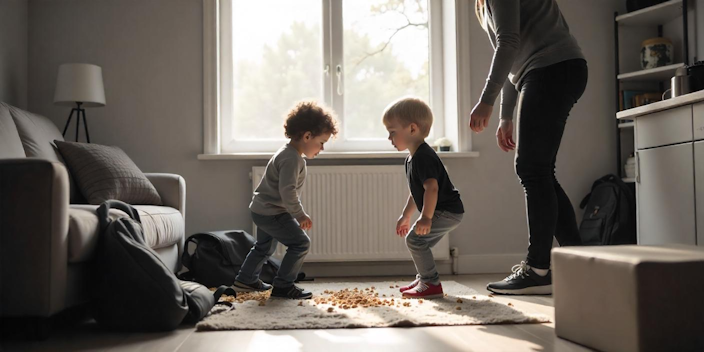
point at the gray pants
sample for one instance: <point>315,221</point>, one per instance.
<point>272,229</point>
<point>442,223</point>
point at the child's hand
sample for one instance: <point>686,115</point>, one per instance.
<point>305,221</point>
<point>403,225</point>
<point>423,226</point>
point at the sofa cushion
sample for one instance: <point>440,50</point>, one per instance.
<point>36,134</point>
<point>106,172</point>
<point>162,226</point>
<point>10,143</point>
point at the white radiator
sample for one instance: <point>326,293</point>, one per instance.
<point>354,211</point>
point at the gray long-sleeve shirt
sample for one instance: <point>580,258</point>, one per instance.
<point>525,34</point>
<point>280,189</point>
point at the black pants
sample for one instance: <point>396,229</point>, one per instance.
<point>546,98</point>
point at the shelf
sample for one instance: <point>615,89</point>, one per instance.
<point>653,15</point>
<point>626,125</point>
<point>629,180</point>
<point>654,74</point>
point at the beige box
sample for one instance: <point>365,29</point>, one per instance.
<point>630,298</point>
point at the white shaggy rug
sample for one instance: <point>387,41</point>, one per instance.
<point>460,306</point>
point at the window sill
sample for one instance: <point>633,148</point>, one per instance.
<point>335,155</point>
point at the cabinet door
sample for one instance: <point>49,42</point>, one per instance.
<point>699,186</point>
<point>698,115</point>
<point>666,195</point>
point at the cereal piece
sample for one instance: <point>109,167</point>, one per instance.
<point>384,295</point>
<point>262,303</point>
<point>510,304</point>
<point>474,297</point>
<point>459,300</point>
<point>300,304</point>
<point>331,309</point>
<point>420,301</point>
<point>491,296</point>
<point>446,295</point>
<point>458,308</point>
<point>392,286</point>
<point>396,286</point>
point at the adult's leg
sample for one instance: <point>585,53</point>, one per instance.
<point>547,96</point>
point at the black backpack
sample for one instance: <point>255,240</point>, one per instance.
<point>609,213</point>
<point>132,289</point>
<point>218,256</point>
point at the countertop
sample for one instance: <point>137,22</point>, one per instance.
<point>633,113</point>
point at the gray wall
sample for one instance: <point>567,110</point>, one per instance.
<point>151,55</point>
<point>13,52</point>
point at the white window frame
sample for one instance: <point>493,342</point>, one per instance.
<point>449,77</point>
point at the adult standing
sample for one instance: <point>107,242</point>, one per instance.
<point>536,57</point>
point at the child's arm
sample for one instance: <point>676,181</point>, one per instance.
<point>430,201</point>
<point>404,222</point>
<point>288,177</point>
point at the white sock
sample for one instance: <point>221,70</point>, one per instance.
<point>541,272</point>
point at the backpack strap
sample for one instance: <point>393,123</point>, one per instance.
<point>227,290</point>
<point>186,257</point>
<point>104,211</point>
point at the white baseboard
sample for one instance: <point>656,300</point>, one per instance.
<point>488,263</point>
<point>467,264</point>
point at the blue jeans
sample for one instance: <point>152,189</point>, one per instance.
<point>272,229</point>
<point>442,223</point>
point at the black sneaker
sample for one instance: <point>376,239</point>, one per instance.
<point>258,286</point>
<point>292,292</point>
<point>523,281</point>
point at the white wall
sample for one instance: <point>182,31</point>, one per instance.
<point>151,55</point>
<point>13,52</point>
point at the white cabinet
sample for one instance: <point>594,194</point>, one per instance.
<point>666,195</point>
<point>665,127</point>
<point>699,186</point>
<point>698,113</point>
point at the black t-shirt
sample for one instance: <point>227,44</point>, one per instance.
<point>426,164</point>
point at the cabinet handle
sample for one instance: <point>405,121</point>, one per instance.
<point>637,167</point>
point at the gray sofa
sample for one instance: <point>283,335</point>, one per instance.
<point>47,237</point>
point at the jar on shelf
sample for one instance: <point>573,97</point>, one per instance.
<point>630,167</point>
<point>656,52</point>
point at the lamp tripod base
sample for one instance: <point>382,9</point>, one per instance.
<point>78,110</point>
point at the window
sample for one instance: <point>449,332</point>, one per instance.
<point>355,56</point>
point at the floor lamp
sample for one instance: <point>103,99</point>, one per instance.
<point>79,85</point>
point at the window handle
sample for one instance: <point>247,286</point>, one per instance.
<point>338,69</point>
<point>326,70</point>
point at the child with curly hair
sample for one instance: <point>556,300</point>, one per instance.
<point>276,206</point>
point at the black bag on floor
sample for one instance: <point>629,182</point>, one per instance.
<point>132,288</point>
<point>609,213</point>
<point>218,256</point>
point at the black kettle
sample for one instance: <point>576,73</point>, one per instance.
<point>635,5</point>
<point>696,76</point>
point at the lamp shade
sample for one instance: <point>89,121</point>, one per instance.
<point>80,83</point>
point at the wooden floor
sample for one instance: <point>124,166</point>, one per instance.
<point>524,337</point>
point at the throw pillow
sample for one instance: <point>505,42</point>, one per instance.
<point>106,172</point>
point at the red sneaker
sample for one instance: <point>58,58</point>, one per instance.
<point>411,285</point>
<point>425,290</point>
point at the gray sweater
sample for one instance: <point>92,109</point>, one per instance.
<point>280,188</point>
<point>525,34</point>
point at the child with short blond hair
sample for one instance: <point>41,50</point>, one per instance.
<point>408,122</point>
<point>276,206</point>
